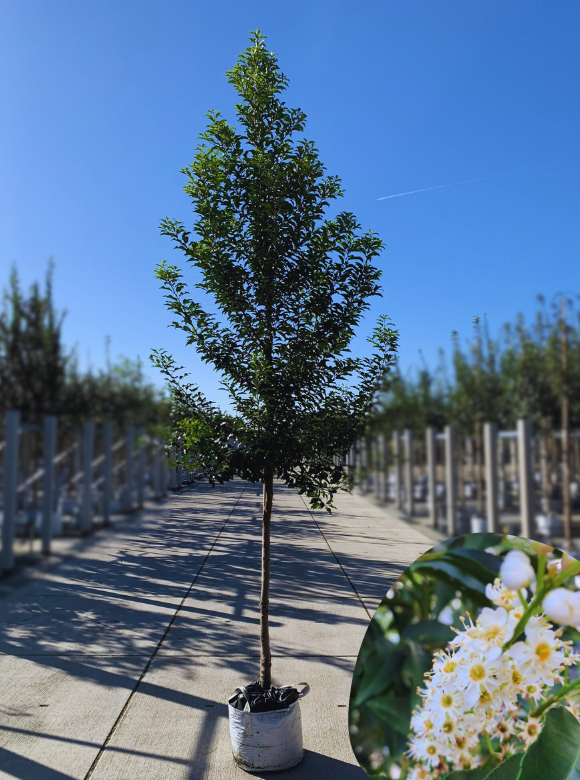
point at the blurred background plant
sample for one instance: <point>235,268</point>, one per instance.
<point>414,620</point>
<point>518,374</point>
<point>39,375</point>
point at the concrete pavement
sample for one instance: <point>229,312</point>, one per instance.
<point>117,664</point>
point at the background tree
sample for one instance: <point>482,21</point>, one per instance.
<point>39,375</point>
<point>292,286</point>
<point>33,362</point>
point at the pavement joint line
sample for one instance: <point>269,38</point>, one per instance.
<point>351,583</point>
<point>150,661</point>
<point>81,656</point>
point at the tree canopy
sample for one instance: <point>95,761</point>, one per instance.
<point>291,287</point>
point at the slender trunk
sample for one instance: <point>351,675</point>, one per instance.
<point>265,652</point>
<point>567,504</point>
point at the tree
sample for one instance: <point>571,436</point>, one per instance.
<point>292,287</point>
<point>33,362</point>
<point>39,375</point>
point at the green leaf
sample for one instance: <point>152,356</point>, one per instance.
<point>468,774</point>
<point>477,541</point>
<point>508,769</point>
<point>556,752</point>
<point>476,563</point>
<point>460,580</point>
<point>379,673</point>
<point>429,632</point>
<point>395,710</point>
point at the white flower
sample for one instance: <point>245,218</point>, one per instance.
<point>475,676</point>
<point>493,627</point>
<point>501,596</point>
<point>540,654</point>
<point>516,570</point>
<point>563,606</point>
<point>446,703</point>
<point>529,730</point>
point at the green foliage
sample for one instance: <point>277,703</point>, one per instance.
<point>290,286</point>
<point>39,376</point>
<point>556,752</point>
<point>33,363</point>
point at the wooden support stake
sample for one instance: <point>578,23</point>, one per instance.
<point>86,514</point>
<point>409,498</point>
<point>48,486</point>
<point>107,471</point>
<point>431,476</point>
<point>490,454</point>
<point>526,487</point>
<point>10,479</point>
<point>450,481</point>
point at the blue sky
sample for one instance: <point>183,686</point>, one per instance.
<point>102,103</point>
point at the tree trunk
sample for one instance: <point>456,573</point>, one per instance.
<point>265,652</point>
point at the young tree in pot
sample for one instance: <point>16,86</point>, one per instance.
<point>292,286</point>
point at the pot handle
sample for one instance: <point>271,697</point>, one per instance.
<point>303,692</point>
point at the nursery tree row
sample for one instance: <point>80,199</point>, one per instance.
<point>39,375</point>
<point>531,370</point>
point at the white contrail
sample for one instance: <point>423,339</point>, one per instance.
<point>468,181</point>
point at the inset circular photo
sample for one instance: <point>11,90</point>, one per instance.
<point>470,666</point>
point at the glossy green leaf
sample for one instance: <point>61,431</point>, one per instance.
<point>460,580</point>
<point>468,774</point>
<point>378,674</point>
<point>480,564</point>
<point>430,632</point>
<point>555,755</point>
<point>508,769</point>
<point>394,710</point>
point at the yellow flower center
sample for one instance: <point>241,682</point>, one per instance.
<point>531,688</point>
<point>460,742</point>
<point>432,750</point>
<point>543,651</point>
<point>450,666</point>
<point>428,725</point>
<point>532,729</point>
<point>477,672</point>
<point>446,700</point>
<point>516,677</point>
<point>448,726</point>
<point>484,697</point>
<point>492,633</point>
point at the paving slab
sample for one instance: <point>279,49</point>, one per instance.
<point>136,642</point>
<point>195,741</point>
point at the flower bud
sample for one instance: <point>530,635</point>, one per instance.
<point>559,607</point>
<point>542,549</point>
<point>516,570</point>
<point>554,568</point>
<point>567,561</point>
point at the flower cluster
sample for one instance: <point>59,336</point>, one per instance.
<point>490,680</point>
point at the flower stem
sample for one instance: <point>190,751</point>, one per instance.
<point>523,621</point>
<point>564,575</point>
<point>541,567</point>
<point>556,697</point>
